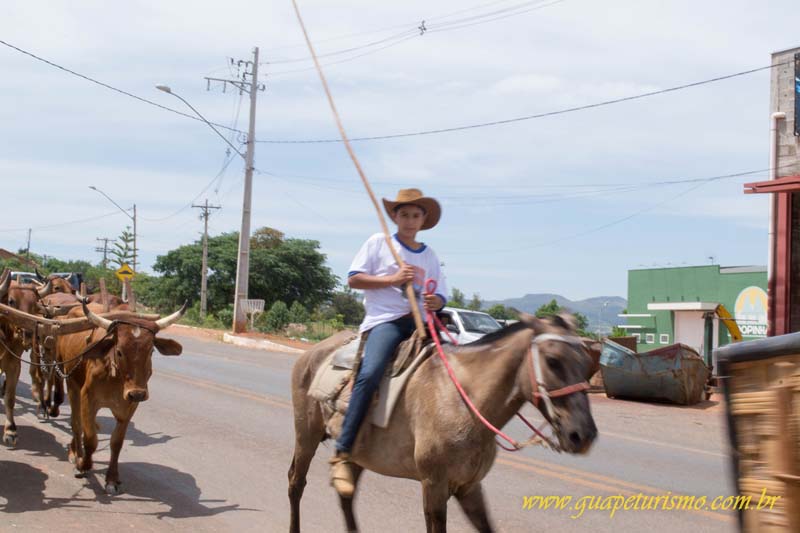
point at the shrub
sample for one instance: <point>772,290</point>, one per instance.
<point>276,318</point>
<point>298,313</point>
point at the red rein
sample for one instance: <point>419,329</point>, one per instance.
<point>433,321</point>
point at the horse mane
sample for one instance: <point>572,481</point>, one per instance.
<point>497,335</point>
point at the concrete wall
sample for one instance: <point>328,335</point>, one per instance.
<point>782,98</point>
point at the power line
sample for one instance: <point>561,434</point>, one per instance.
<point>414,32</point>
<point>531,117</point>
<point>60,224</point>
<point>393,27</point>
<point>107,86</point>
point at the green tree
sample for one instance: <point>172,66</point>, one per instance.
<point>122,250</point>
<point>345,304</point>
<point>552,308</point>
<point>456,299</point>
<point>476,303</point>
<point>617,331</point>
<point>502,312</point>
<point>288,270</point>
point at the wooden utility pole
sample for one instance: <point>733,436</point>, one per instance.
<point>204,280</point>
<point>104,249</point>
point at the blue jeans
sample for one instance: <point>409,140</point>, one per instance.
<point>379,351</point>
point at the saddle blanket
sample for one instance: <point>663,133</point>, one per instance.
<point>332,384</point>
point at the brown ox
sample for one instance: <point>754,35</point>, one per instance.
<point>14,342</point>
<point>433,437</point>
<point>110,368</point>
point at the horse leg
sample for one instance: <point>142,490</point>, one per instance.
<point>347,503</point>
<point>435,494</point>
<point>12,369</point>
<point>474,506</point>
<point>309,432</point>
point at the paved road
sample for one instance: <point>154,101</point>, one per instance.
<point>210,450</point>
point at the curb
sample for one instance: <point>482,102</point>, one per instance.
<point>260,344</point>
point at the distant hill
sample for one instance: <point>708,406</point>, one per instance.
<point>601,311</point>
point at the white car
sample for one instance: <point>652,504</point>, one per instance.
<point>465,325</point>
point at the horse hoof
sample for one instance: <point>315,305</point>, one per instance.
<point>113,489</point>
<point>10,439</point>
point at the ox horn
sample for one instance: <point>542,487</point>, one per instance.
<point>98,321</point>
<point>46,290</point>
<point>38,274</point>
<point>167,321</point>
<point>6,282</point>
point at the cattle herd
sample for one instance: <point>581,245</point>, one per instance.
<point>98,345</point>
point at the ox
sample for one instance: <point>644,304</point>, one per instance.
<point>14,342</point>
<point>109,368</point>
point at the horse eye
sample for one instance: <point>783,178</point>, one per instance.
<point>555,365</point>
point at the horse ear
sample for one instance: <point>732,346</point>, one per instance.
<point>536,324</point>
<point>565,321</point>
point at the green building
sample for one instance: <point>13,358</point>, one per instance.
<point>678,305</point>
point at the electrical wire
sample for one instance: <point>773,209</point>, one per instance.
<point>529,117</point>
<point>60,224</point>
<point>107,86</point>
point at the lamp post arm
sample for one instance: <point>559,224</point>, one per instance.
<point>210,125</point>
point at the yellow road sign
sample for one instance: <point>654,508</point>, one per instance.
<point>125,272</point>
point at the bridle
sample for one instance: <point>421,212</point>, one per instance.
<point>539,389</point>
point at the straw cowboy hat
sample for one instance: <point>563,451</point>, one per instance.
<point>414,197</point>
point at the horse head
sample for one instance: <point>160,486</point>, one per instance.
<point>557,369</point>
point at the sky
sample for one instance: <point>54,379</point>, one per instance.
<point>565,203</point>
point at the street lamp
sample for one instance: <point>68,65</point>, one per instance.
<point>129,215</point>
<point>168,90</point>
<point>243,260</point>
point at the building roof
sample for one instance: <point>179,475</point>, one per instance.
<point>742,269</point>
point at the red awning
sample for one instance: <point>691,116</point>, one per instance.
<point>787,184</point>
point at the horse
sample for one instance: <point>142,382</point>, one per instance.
<point>433,437</point>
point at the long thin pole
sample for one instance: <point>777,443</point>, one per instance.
<point>204,278</point>
<point>134,239</point>
<point>412,300</point>
<point>243,265</point>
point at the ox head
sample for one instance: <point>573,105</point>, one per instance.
<point>557,369</point>
<point>61,285</point>
<point>26,297</point>
<point>128,346</point>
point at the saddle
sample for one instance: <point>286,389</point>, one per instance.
<point>333,382</point>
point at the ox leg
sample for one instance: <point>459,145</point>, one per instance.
<point>75,446</point>
<point>12,368</point>
<point>56,385</point>
<point>89,428</point>
<point>435,494</point>
<point>123,417</point>
<point>309,432</point>
<point>37,383</point>
<point>347,503</point>
<point>474,506</point>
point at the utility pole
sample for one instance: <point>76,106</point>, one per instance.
<point>204,280</point>
<point>104,249</point>
<point>28,246</point>
<point>243,261</point>
<point>134,240</point>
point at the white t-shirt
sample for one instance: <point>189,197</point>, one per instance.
<point>386,304</point>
